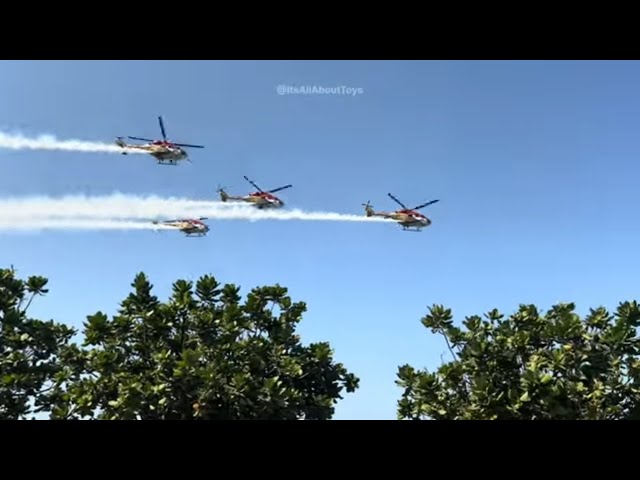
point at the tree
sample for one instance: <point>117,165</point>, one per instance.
<point>530,366</point>
<point>29,348</point>
<point>201,355</point>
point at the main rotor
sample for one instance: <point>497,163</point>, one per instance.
<point>164,137</point>
<point>262,191</point>
<point>404,207</point>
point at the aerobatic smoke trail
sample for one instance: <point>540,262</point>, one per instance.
<point>112,206</point>
<point>121,206</point>
<point>37,224</point>
<point>50,142</point>
<point>251,214</point>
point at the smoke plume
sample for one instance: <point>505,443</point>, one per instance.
<point>38,224</point>
<point>133,207</point>
<point>50,142</point>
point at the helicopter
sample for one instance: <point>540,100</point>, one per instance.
<point>260,199</point>
<point>409,218</point>
<point>166,152</point>
<point>190,227</point>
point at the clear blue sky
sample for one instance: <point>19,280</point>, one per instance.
<point>535,165</point>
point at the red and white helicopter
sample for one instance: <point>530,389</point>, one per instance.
<point>260,199</point>
<point>409,218</point>
<point>189,226</point>
<point>166,152</point>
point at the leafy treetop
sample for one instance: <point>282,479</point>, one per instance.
<point>203,354</point>
<point>30,349</point>
<point>530,366</point>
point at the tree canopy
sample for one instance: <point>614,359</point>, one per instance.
<point>203,354</point>
<point>530,365</point>
<point>29,348</point>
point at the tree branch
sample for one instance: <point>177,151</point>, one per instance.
<point>29,302</point>
<point>446,339</point>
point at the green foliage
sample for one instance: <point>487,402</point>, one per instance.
<point>530,366</point>
<point>201,355</point>
<point>29,349</point>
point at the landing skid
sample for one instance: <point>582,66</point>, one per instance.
<point>167,162</point>
<point>409,229</point>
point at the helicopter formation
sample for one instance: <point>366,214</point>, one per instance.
<point>167,152</point>
<point>258,199</point>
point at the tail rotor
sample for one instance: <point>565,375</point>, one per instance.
<point>368,209</point>
<point>224,196</point>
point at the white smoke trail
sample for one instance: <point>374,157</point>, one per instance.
<point>120,206</point>
<point>38,224</point>
<point>50,142</point>
<point>112,206</point>
<point>252,214</point>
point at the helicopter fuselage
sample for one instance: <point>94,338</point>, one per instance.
<point>410,218</point>
<point>190,228</point>
<point>167,152</point>
<point>261,200</point>
<point>405,218</point>
<point>164,152</point>
<point>264,200</point>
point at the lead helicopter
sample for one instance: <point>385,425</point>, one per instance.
<point>408,218</point>
<point>164,151</point>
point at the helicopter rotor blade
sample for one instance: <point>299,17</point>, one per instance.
<point>398,201</point>
<point>280,188</point>
<point>426,204</point>
<point>164,133</point>
<point>251,182</point>
<point>188,145</point>
<point>140,138</point>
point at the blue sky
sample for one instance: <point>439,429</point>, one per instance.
<point>535,165</point>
